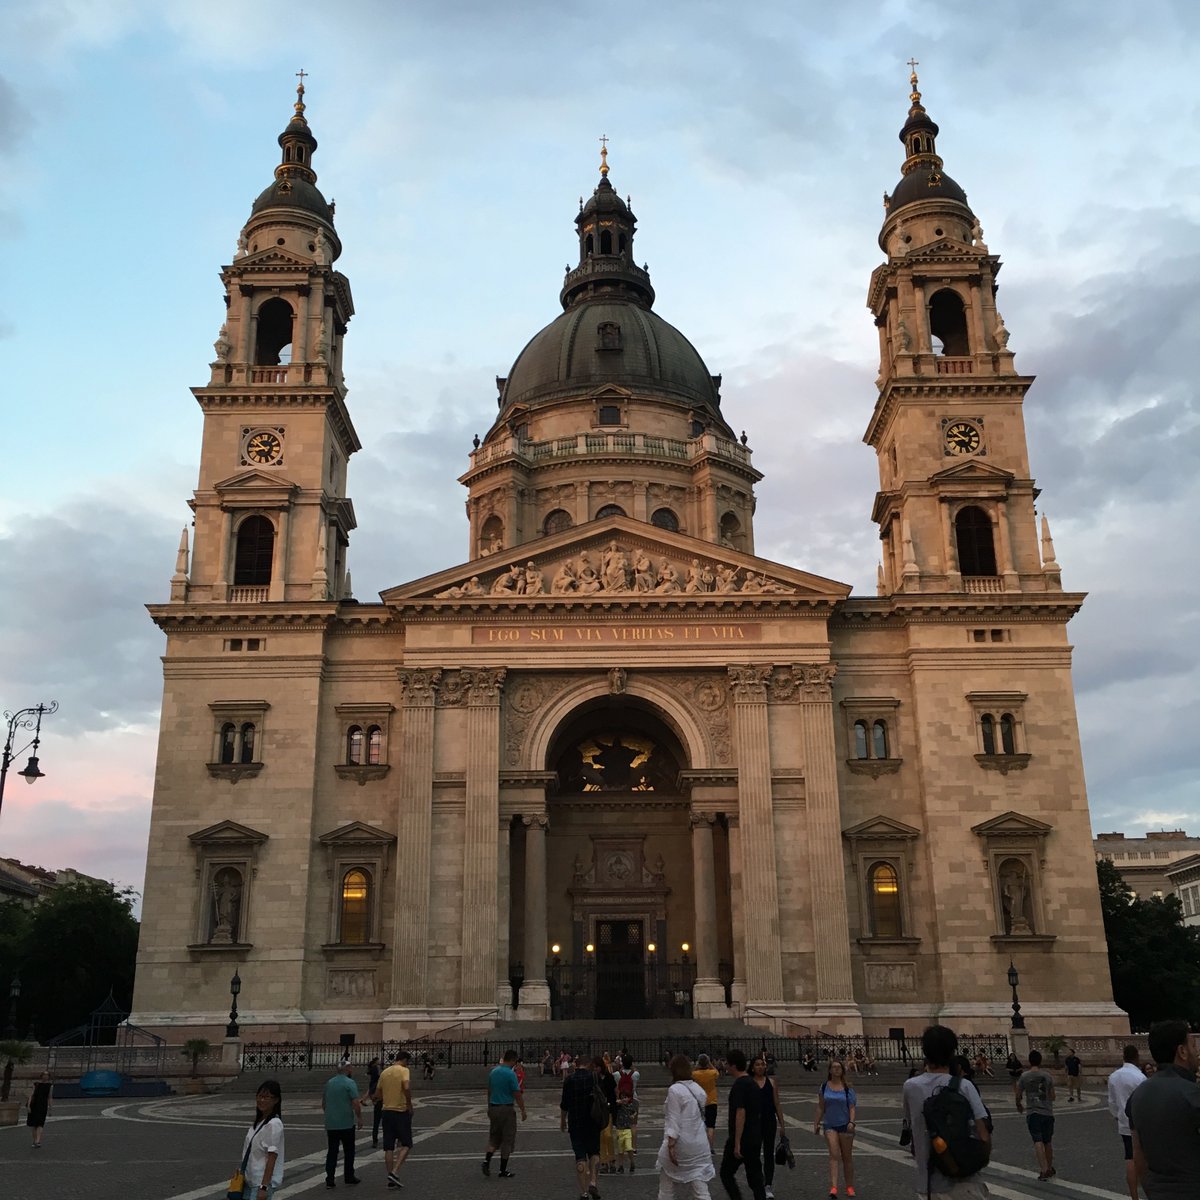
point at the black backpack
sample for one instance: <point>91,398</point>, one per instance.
<point>953,1147</point>
<point>601,1113</point>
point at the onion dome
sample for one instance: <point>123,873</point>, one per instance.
<point>295,180</point>
<point>608,332</point>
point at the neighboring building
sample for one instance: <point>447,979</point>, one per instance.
<point>1184,879</point>
<point>614,754</point>
<point>1144,862</point>
<point>27,885</point>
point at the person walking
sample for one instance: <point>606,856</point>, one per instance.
<point>504,1098</point>
<point>262,1147</point>
<point>41,1100</point>
<point>836,1105</point>
<point>939,1044</point>
<point>1074,1065</point>
<point>625,1122</point>
<point>1122,1083</point>
<point>608,1157</point>
<point>1164,1117</point>
<point>343,1113</point>
<point>706,1076</point>
<point>745,1132</point>
<point>1035,1090</point>
<point>576,1119</point>
<point>685,1156</point>
<point>630,1072</point>
<point>771,1115</point>
<point>395,1098</point>
<point>373,1073</point>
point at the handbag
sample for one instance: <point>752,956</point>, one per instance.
<point>237,1181</point>
<point>783,1152</point>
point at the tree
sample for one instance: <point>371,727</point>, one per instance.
<point>195,1049</point>
<point>75,946</point>
<point>1154,959</point>
<point>13,1053</point>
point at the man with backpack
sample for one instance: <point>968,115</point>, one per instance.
<point>951,1135</point>
<point>583,1112</point>
<point>1035,1090</point>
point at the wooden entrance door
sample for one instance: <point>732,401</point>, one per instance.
<point>620,968</point>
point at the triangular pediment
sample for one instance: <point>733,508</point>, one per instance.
<point>356,833</point>
<point>973,470</point>
<point>273,256</point>
<point>252,479</point>
<point>618,558</point>
<point>881,827</point>
<point>610,389</point>
<point>1012,823</point>
<point>943,247</point>
<point>227,833</point>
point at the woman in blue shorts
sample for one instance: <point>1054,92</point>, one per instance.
<point>836,1103</point>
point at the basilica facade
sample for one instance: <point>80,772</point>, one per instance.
<point>614,763</point>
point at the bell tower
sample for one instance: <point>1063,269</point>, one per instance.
<point>272,520</point>
<point>955,506</point>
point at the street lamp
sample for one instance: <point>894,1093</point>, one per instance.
<point>1018,1021</point>
<point>14,994</point>
<point>235,986</point>
<point>25,718</point>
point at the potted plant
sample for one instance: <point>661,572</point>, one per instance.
<point>195,1049</point>
<point>1055,1044</point>
<point>13,1053</point>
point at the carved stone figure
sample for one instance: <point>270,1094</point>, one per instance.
<point>753,583</point>
<point>510,582</point>
<point>223,346</point>
<point>535,585</point>
<point>471,588</point>
<point>1001,333</point>
<point>693,578</point>
<point>726,578</point>
<point>564,580</point>
<point>1014,893</point>
<point>589,581</point>
<point>617,680</point>
<point>616,569</point>
<point>227,906</point>
<point>668,579</point>
<point>977,235</point>
<point>242,246</point>
<point>322,251</point>
<point>906,342</point>
<point>643,573</point>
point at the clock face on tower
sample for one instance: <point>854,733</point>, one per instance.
<point>962,437</point>
<point>262,447</point>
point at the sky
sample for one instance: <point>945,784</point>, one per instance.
<point>756,143</point>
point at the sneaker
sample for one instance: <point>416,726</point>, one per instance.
<point>849,1191</point>
<point>769,1192</point>
<point>330,1183</point>
<point>354,1179</point>
<point>1050,1174</point>
<point>508,1175</point>
<point>593,1191</point>
<point>394,1183</point>
<point>487,1167</point>
<point>833,1193</point>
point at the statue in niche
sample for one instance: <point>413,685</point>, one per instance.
<point>668,579</point>
<point>227,906</point>
<point>535,585</point>
<point>616,762</point>
<point>660,867</point>
<point>726,578</point>
<point>616,568</point>
<point>643,573</point>
<point>617,680</point>
<point>585,573</point>
<point>564,580</point>
<point>1015,897</point>
<point>580,867</point>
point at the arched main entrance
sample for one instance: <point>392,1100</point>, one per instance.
<point>619,873</point>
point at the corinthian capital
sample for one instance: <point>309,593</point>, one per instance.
<point>749,683</point>
<point>420,686</point>
<point>485,684</point>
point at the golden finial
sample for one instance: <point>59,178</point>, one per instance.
<point>300,94</point>
<point>604,155</point>
<point>915,95</point>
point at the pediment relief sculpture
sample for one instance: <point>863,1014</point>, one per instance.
<point>619,570</point>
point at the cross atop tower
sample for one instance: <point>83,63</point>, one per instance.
<point>300,75</point>
<point>604,155</point>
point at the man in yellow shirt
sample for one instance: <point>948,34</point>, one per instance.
<point>705,1075</point>
<point>396,1092</point>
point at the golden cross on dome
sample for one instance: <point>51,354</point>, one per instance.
<point>604,155</point>
<point>913,65</point>
<point>300,75</point>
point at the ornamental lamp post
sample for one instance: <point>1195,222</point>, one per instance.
<point>235,987</point>
<point>1018,1021</point>
<point>25,718</point>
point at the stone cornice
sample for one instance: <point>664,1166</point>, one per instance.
<point>331,399</point>
<point>956,608</point>
<point>283,614</point>
<point>922,388</point>
<point>584,608</point>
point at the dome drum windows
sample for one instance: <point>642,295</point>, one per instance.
<point>237,738</point>
<point>665,518</point>
<point>364,731</point>
<point>881,851</point>
<point>872,734</point>
<point>609,411</point>
<point>357,863</point>
<point>557,520</point>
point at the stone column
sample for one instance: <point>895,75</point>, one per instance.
<point>414,829</point>
<point>224,557</point>
<point>279,567</point>
<point>921,335</point>
<point>737,911</point>
<point>708,996</point>
<point>300,327</point>
<point>480,883</point>
<point>535,991</point>
<point>581,503</point>
<point>247,347</point>
<point>504,997</point>
<point>764,969</point>
<point>641,510</point>
<point>826,868</point>
<point>979,340</point>
<point>1004,554</point>
<point>950,548</point>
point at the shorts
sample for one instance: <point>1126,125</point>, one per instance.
<point>710,1116</point>
<point>397,1128</point>
<point>1127,1140</point>
<point>585,1143</point>
<point>624,1141</point>
<point>502,1128</point>
<point>1041,1127</point>
<point>838,1128</point>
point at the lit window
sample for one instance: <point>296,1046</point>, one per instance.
<point>356,898</point>
<point>885,901</point>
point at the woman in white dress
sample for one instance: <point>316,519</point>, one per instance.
<point>685,1158</point>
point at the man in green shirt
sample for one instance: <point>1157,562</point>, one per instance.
<point>343,1112</point>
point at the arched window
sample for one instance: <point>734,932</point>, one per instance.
<point>860,739</point>
<point>731,530</point>
<point>228,742</point>
<point>374,745</point>
<point>605,241</point>
<point>664,518</point>
<point>973,535</point>
<point>255,549</point>
<point>883,885</point>
<point>1008,730</point>
<point>948,322</point>
<point>355,924</point>
<point>247,747</point>
<point>588,244</point>
<point>274,331</point>
<point>557,521</point>
<point>610,510</point>
<point>491,536</point>
<point>879,740</point>
<point>354,745</point>
<point>987,729</point>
